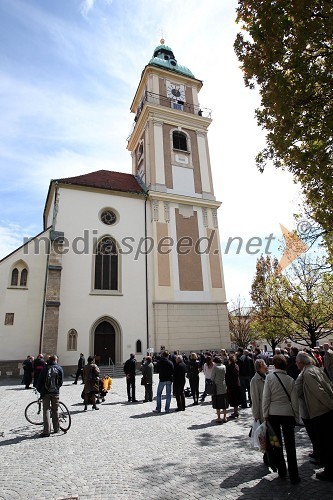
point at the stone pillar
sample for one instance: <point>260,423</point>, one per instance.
<point>52,294</point>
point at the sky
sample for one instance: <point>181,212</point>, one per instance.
<point>69,70</point>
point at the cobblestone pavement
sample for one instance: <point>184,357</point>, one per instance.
<point>125,451</point>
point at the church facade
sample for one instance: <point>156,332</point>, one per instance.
<point>126,262</point>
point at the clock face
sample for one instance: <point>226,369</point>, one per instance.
<point>176,92</point>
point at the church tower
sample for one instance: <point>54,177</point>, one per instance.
<point>170,157</point>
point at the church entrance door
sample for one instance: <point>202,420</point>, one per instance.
<point>105,343</point>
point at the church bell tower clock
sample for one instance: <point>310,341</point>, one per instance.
<point>170,156</point>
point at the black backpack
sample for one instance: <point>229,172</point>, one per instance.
<point>52,380</point>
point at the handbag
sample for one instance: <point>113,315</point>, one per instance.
<point>143,380</point>
<point>209,387</point>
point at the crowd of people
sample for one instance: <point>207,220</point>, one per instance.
<point>299,391</point>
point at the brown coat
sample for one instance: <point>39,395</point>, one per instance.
<point>90,378</point>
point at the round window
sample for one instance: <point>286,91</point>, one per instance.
<point>108,217</point>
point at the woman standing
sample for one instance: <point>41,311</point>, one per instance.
<point>219,399</point>
<point>280,408</point>
<point>91,383</point>
<point>179,382</point>
<point>207,369</point>
<point>233,385</point>
<point>193,370</point>
<point>256,390</point>
<point>147,370</point>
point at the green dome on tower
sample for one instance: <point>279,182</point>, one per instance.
<point>164,58</point>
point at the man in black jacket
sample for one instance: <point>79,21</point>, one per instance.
<point>80,364</point>
<point>130,369</point>
<point>48,384</point>
<point>246,372</point>
<point>165,370</point>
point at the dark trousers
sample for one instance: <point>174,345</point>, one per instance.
<point>78,373</point>
<point>148,392</point>
<point>194,384</point>
<point>245,386</point>
<point>310,429</point>
<point>178,389</point>
<point>322,426</point>
<point>288,429</point>
<point>130,381</point>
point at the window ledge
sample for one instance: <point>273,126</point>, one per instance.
<point>17,287</point>
<point>106,292</point>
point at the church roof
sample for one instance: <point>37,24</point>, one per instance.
<point>106,179</point>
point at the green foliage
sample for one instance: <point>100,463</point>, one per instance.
<point>297,304</point>
<point>286,49</point>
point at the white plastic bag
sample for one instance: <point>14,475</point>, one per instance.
<point>253,439</point>
<point>260,436</point>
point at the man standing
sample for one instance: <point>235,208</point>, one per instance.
<point>165,370</point>
<point>48,384</point>
<point>130,369</point>
<point>328,361</point>
<point>80,364</point>
<point>316,390</point>
<point>246,372</point>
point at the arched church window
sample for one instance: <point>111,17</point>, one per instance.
<point>138,349</point>
<point>72,340</point>
<point>106,265</point>
<point>179,140</point>
<point>24,277</point>
<point>14,280</point>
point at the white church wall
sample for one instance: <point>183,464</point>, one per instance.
<point>81,306</point>
<point>22,338</point>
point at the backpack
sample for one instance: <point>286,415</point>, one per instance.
<point>52,380</point>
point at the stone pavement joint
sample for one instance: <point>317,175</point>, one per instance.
<point>125,451</point>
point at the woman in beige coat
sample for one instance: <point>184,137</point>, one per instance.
<point>280,408</point>
<point>256,390</point>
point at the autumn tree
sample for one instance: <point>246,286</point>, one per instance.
<point>286,50</point>
<point>268,323</point>
<point>300,299</point>
<point>240,323</point>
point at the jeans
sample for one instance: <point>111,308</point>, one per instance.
<point>50,401</point>
<point>160,389</point>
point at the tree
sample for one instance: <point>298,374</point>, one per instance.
<point>240,323</point>
<point>300,300</point>
<point>286,49</point>
<point>267,322</point>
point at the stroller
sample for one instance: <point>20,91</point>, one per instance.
<point>104,385</point>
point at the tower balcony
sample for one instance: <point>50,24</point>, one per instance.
<point>161,100</point>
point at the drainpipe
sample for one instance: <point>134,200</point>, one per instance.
<point>47,266</point>
<point>146,271</point>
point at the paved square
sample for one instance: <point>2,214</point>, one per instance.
<point>124,451</point>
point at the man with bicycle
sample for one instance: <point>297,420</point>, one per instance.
<point>48,385</point>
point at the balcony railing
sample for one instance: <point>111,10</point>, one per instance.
<point>167,102</point>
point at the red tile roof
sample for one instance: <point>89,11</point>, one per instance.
<point>106,179</point>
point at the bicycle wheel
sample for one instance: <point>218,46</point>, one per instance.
<point>33,413</point>
<point>65,419</point>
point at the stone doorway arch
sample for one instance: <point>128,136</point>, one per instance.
<point>106,341</point>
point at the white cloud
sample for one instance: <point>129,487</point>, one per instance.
<point>86,6</point>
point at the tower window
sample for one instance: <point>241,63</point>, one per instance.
<point>179,140</point>
<point>106,265</point>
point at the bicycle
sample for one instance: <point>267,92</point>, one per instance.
<point>34,414</point>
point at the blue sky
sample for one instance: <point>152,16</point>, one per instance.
<point>68,73</point>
